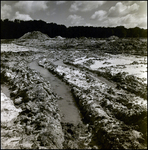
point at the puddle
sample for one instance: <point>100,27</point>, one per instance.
<point>5,90</point>
<point>67,104</point>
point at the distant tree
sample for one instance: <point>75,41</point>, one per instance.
<point>17,28</point>
<point>120,31</point>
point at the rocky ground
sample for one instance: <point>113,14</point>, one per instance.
<point>111,99</point>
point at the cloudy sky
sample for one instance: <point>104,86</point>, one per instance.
<point>79,13</point>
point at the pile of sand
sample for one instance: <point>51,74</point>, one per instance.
<point>113,37</point>
<point>59,38</point>
<point>35,35</point>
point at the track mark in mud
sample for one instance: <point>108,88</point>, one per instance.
<point>66,102</point>
<point>75,76</point>
<point>93,75</point>
<point>100,78</point>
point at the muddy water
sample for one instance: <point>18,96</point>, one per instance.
<point>5,90</point>
<point>67,104</point>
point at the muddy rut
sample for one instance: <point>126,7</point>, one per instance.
<point>68,108</point>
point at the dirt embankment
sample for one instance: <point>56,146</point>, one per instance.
<point>112,45</point>
<point>39,124</point>
<point>116,115</point>
<point>39,117</point>
<point>111,111</point>
<point>130,83</point>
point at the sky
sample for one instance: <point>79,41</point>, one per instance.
<point>129,14</point>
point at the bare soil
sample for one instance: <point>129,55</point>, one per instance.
<point>73,93</point>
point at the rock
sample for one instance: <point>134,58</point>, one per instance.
<point>18,101</point>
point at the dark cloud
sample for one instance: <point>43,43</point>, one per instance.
<point>6,11</point>
<point>100,15</point>
<point>129,14</point>
<point>129,21</point>
<point>121,9</point>
<point>75,19</point>
<point>85,6</point>
<point>22,16</point>
<point>60,2</point>
<point>91,13</point>
<point>31,6</point>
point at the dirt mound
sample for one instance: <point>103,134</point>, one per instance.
<point>35,35</point>
<point>113,37</point>
<point>60,38</point>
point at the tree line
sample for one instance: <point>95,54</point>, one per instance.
<point>17,28</point>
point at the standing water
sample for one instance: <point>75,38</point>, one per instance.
<point>5,90</point>
<point>67,105</point>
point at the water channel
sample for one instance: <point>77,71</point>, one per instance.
<point>67,105</point>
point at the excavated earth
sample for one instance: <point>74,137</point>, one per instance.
<point>59,93</point>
